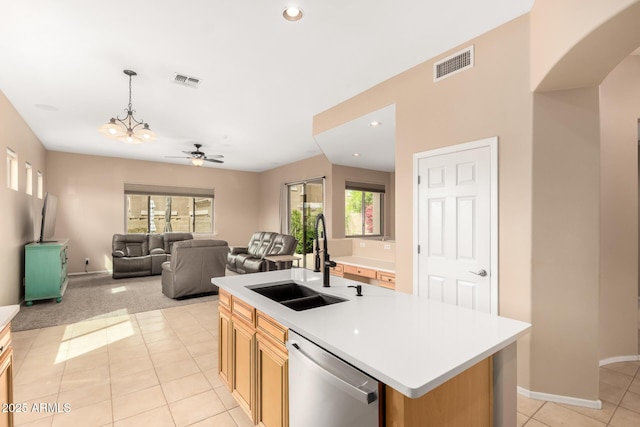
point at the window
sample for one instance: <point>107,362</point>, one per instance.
<point>363,207</point>
<point>12,169</point>
<point>40,189</point>
<point>162,209</point>
<point>28,178</point>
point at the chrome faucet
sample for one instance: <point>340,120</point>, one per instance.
<point>327,261</point>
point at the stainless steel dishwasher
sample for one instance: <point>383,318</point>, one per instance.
<point>325,391</point>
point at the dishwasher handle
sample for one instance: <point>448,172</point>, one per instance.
<point>354,390</point>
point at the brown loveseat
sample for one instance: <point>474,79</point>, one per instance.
<point>250,258</point>
<point>193,263</point>
<point>136,255</point>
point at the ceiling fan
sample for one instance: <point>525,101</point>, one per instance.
<point>198,157</point>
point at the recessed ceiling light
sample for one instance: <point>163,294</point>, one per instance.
<point>375,123</point>
<point>292,13</point>
<point>356,154</point>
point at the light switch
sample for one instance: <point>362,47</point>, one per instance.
<point>362,244</point>
<point>387,246</point>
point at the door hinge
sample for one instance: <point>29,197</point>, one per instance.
<point>418,179</point>
<point>418,248</point>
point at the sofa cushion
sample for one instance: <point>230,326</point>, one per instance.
<point>156,243</point>
<point>171,238</point>
<point>260,243</point>
<point>122,242</point>
<point>134,250</point>
<point>283,244</point>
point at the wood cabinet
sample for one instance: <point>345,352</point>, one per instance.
<point>365,275</point>
<point>272,373</point>
<point>338,270</point>
<point>224,338</point>
<point>6,375</point>
<point>360,271</point>
<point>45,271</point>
<point>388,280</point>
<point>243,333</point>
<point>253,361</point>
<point>464,400</point>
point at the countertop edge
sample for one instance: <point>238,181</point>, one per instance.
<point>403,387</point>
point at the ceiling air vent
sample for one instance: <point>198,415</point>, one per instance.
<point>453,64</point>
<point>181,79</point>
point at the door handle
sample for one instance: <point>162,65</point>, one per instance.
<point>481,273</point>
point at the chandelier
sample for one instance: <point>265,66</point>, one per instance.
<point>128,129</point>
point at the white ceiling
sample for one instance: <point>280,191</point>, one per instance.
<point>361,145</point>
<point>262,78</point>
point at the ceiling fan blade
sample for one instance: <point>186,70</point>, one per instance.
<point>213,160</point>
<point>176,157</point>
<point>214,156</point>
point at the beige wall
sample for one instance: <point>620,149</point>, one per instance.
<point>90,192</point>
<point>491,99</point>
<point>272,181</point>
<point>619,113</point>
<point>565,34</point>
<point>20,213</point>
<point>565,247</point>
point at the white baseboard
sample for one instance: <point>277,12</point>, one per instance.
<point>618,359</point>
<point>593,404</point>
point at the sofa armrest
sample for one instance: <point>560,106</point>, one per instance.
<point>118,254</point>
<point>234,250</point>
<point>157,251</point>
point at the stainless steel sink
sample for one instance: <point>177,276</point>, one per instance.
<point>296,297</point>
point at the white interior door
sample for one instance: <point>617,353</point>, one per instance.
<point>456,223</point>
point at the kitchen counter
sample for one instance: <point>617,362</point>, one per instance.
<point>376,264</point>
<point>7,313</point>
<point>409,343</point>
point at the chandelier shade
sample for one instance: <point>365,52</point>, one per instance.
<point>197,161</point>
<point>128,129</point>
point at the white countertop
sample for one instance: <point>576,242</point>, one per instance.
<point>7,313</point>
<point>376,264</point>
<point>409,343</point>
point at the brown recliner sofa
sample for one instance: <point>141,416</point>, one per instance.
<point>135,255</point>
<point>250,258</point>
<point>193,263</point>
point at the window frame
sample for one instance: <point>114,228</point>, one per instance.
<point>12,169</point>
<point>28,178</point>
<point>161,191</point>
<point>381,194</point>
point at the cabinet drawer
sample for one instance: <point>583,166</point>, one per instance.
<point>5,339</point>
<point>387,277</point>
<point>360,271</point>
<point>338,270</point>
<point>243,310</point>
<point>224,298</point>
<point>271,328</point>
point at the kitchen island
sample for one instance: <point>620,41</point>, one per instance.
<point>413,345</point>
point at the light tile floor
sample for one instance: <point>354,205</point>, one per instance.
<point>619,393</point>
<point>159,368</point>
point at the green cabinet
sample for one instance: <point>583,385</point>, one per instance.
<point>45,271</point>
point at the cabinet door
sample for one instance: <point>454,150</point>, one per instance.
<point>6,387</point>
<point>272,384</point>
<point>224,346</point>
<point>242,365</point>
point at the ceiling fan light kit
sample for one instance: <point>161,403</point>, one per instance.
<point>198,157</point>
<point>128,129</point>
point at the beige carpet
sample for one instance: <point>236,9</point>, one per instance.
<point>95,296</point>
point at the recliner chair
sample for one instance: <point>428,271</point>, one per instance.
<point>250,258</point>
<point>193,263</point>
